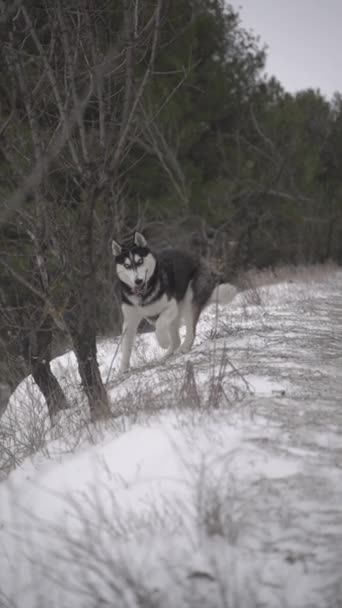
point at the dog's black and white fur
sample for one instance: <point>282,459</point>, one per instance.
<point>164,288</point>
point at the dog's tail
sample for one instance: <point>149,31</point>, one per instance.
<point>223,294</point>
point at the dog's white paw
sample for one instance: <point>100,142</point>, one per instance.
<point>167,355</point>
<point>163,338</point>
<point>124,372</point>
<point>183,349</point>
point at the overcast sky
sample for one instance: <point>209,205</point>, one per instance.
<point>304,39</point>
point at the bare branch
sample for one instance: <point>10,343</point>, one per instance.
<point>41,166</point>
<point>165,155</point>
<point>49,307</point>
<point>128,21</point>
<point>6,123</point>
<point>125,132</point>
<point>70,65</point>
<point>61,137</point>
<point>53,82</point>
<point>7,12</point>
<point>258,129</point>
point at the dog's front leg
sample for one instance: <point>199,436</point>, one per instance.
<point>167,328</point>
<point>130,326</point>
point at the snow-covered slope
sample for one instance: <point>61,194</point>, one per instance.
<point>217,483</point>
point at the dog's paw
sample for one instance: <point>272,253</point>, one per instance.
<point>167,355</point>
<point>183,349</point>
<point>162,338</point>
<point>124,372</point>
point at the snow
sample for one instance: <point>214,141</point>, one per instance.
<point>217,483</point>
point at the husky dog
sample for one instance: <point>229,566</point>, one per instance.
<point>164,288</point>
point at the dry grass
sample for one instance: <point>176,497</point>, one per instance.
<point>114,556</point>
<point>252,279</point>
<point>216,517</point>
<point>177,385</point>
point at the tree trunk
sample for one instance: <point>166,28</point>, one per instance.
<point>84,342</point>
<point>81,323</point>
<point>37,352</point>
<point>50,387</point>
<point>81,318</point>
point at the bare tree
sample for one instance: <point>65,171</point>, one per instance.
<point>26,337</point>
<point>78,73</point>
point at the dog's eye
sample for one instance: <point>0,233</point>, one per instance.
<point>127,266</point>
<point>140,261</point>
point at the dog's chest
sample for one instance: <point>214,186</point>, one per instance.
<point>155,308</point>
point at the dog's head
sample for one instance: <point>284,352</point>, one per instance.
<point>135,264</point>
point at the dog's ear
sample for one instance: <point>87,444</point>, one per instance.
<point>139,240</point>
<point>116,248</point>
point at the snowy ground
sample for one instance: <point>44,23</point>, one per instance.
<point>217,484</point>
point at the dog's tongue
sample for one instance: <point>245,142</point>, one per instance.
<point>139,290</point>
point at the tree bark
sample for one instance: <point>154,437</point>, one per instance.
<point>50,387</point>
<point>37,352</point>
<point>81,319</point>
<point>84,342</point>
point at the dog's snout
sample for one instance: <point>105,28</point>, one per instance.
<point>139,281</point>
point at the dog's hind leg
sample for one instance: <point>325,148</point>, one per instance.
<point>167,328</point>
<point>162,335</point>
<point>190,311</point>
<point>191,315</point>
<point>174,334</point>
